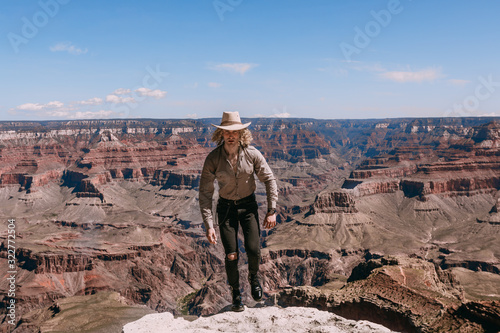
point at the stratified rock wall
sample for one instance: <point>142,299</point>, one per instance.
<point>111,205</point>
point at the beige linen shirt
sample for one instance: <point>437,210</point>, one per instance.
<point>234,186</point>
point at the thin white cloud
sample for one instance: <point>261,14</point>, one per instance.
<point>458,82</point>
<point>38,106</point>
<point>54,104</point>
<point>119,100</point>
<point>91,101</point>
<point>402,76</point>
<point>51,109</point>
<point>240,68</point>
<point>68,47</point>
<point>157,93</point>
<point>214,85</point>
<point>57,113</point>
<point>102,114</point>
<point>30,106</point>
<point>492,114</point>
<point>122,95</point>
<point>280,115</point>
<point>429,74</point>
<point>276,114</point>
<point>121,91</point>
<point>367,67</point>
<point>192,116</point>
<point>88,108</point>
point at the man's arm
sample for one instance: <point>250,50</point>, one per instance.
<point>265,175</point>
<point>205,197</point>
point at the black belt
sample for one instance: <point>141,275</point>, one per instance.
<point>242,201</point>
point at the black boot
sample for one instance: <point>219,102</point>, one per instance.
<point>237,304</point>
<point>255,287</point>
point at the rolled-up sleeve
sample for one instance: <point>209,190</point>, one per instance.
<point>265,175</point>
<point>207,191</point>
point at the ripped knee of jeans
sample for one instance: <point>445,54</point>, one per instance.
<point>232,256</point>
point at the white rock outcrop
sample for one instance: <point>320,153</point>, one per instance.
<point>264,319</point>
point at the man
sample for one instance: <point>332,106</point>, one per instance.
<point>233,163</point>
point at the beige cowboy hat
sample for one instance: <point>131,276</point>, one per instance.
<point>231,122</point>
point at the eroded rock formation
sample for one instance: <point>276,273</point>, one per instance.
<point>406,295</point>
<point>111,205</point>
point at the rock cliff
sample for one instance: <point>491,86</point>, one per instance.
<point>406,295</point>
<point>111,205</point>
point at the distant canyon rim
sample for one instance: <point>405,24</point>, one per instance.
<point>395,221</point>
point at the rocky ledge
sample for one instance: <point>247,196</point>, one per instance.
<point>260,319</point>
<point>403,294</point>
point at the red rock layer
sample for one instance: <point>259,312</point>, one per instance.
<point>457,166</point>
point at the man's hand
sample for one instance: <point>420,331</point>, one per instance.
<point>270,221</point>
<point>212,237</point>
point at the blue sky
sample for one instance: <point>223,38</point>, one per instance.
<point>74,59</point>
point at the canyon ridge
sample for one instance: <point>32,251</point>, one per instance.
<point>394,221</point>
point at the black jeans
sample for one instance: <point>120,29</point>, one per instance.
<point>231,216</point>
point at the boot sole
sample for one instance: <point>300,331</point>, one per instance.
<point>237,309</point>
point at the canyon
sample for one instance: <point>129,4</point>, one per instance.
<point>395,221</point>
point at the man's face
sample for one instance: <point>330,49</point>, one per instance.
<point>231,137</point>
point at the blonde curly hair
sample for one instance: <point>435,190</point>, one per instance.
<point>245,137</point>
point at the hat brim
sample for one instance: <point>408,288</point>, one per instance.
<point>234,127</point>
